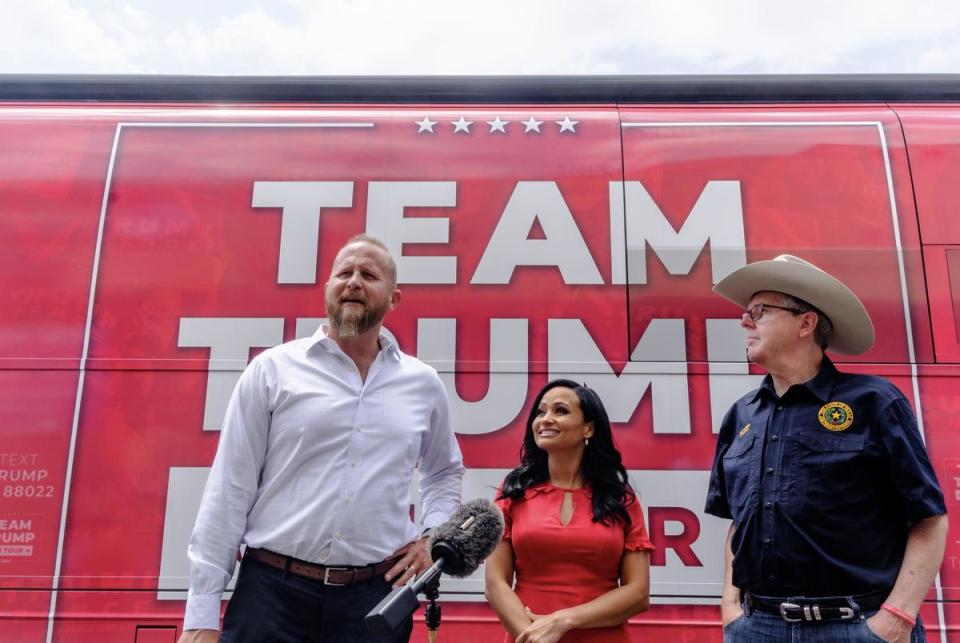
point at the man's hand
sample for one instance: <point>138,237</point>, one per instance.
<point>889,627</point>
<point>415,559</point>
<point>544,629</point>
<point>729,612</point>
<point>199,636</point>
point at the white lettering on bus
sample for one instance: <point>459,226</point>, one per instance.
<point>7,537</point>
<point>661,367</point>
<point>658,363</point>
<point>229,340</point>
<point>730,377</point>
<point>300,203</point>
<point>562,246</point>
<point>635,221</point>
<point>386,202</point>
<point>507,389</point>
<point>23,525</point>
<point>717,217</point>
<point>23,475</point>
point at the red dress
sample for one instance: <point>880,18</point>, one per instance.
<point>557,565</point>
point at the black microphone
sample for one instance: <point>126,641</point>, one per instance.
<point>464,541</point>
<point>457,548</point>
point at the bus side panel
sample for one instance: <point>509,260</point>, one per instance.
<point>830,185</point>
<point>512,271</point>
<point>932,133</point>
<point>51,183</point>
<point>933,136</point>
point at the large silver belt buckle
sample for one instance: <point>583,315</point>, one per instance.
<point>783,612</point>
<point>811,613</point>
<point>326,575</point>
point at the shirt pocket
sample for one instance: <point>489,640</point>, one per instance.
<point>740,475</point>
<point>826,474</point>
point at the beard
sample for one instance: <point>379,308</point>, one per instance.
<point>352,321</point>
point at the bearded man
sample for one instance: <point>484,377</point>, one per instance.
<point>313,474</point>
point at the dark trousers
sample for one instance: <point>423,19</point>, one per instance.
<point>269,604</point>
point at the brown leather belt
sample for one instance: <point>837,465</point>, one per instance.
<point>327,575</point>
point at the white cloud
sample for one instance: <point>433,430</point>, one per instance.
<point>494,37</point>
<point>55,36</point>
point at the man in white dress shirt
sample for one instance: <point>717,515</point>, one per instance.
<point>313,474</point>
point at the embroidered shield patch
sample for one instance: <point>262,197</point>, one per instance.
<point>835,416</point>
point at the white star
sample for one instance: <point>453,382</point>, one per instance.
<point>497,125</point>
<point>426,125</point>
<point>566,125</point>
<point>461,125</point>
<point>532,125</point>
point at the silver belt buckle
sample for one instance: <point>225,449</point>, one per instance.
<point>783,612</point>
<point>326,575</point>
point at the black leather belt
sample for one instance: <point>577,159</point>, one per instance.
<point>326,575</point>
<point>831,608</point>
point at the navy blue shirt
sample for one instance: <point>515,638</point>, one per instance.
<point>823,485</point>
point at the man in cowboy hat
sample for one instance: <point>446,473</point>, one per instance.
<point>839,523</point>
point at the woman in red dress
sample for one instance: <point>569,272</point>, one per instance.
<point>574,538</point>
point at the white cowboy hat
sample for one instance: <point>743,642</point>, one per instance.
<point>852,328</point>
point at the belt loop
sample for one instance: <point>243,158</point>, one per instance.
<point>286,568</point>
<point>855,606</point>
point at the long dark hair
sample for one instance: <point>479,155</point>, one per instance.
<point>602,467</point>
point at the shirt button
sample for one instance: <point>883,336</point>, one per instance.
<point>779,408</point>
<point>770,470</point>
<point>771,577</point>
<point>774,438</point>
<point>767,542</point>
<point>768,504</point>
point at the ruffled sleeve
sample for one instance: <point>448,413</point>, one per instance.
<point>635,536</point>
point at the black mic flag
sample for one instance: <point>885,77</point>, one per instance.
<point>457,548</point>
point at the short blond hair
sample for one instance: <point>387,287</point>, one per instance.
<point>373,241</point>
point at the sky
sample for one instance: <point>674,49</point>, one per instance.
<point>428,37</point>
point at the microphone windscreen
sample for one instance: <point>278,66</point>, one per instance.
<point>464,541</point>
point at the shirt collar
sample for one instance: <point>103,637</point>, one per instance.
<point>388,346</point>
<point>821,385</point>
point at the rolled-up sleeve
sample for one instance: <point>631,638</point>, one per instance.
<point>441,464</point>
<point>227,498</point>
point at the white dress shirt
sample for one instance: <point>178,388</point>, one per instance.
<point>317,464</point>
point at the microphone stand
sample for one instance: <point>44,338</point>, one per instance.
<point>432,613</point>
<point>402,602</point>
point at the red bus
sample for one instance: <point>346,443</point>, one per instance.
<point>157,232</point>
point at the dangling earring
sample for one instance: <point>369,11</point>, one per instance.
<point>586,442</point>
